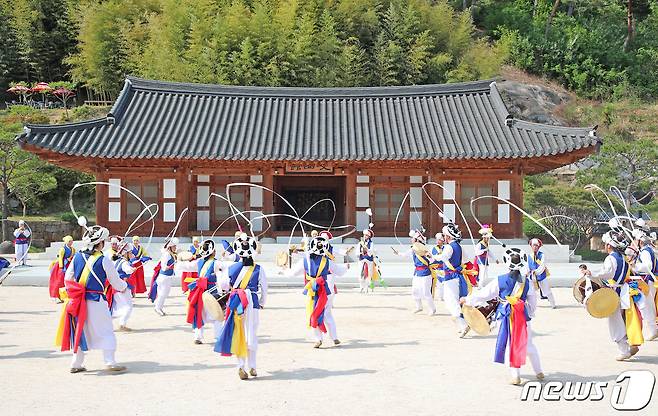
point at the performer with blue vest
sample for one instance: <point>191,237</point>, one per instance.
<point>367,260</point>
<point>518,302</point>
<point>163,275</point>
<point>437,266</point>
<point>189,271</point>
<point>315,267</point>
<point>208,270</point>
<point>244,279</point>
<point>195,246</point>
<point>455,285</point>
<point>228,253</point>
<point>121,303</point>
<point>625,324</point>
<point>646,265</point>
<point>421,282</point>
<point>22,236</point>
<point>539,272</point>
<point>87,322</point>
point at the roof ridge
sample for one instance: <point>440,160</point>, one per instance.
<point>311,92</point>
<point>66,126</point>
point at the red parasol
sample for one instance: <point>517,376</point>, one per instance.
<point>42,88</point>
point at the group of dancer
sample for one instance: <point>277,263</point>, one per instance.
<point>99,286</point>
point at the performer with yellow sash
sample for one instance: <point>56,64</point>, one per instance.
<point>518,302</point>
<point>438,267</point>
<point>58,268</point>
<point>336,270</point>
<point>239,334</point>
<point>625,324</point>
<point>484,257</point>
<point>137,278</point>
<point>121,303</point>
<point>86,321</point>
<point>208,271</point>
<point>539,272</point>
<point>367,259</point>
<point>455,284</point>
<point>421,282</point>
<point>646,266</point>
<point>315,267</point>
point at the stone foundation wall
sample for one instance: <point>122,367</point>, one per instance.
<point>46,232</point>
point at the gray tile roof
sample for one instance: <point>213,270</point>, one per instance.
<point>165,120</point>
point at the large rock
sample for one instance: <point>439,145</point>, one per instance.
<point>6,247</point>
<point>531,102</point>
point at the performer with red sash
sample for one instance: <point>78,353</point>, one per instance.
<point>86,322</point>
<point>121,303</point>
<point>336,270</point>
<point>58,268</point>
<point>539,272</point>
<point>455,284</point>
<point>483,255</point>
<point>625,324</point>
<point>646,265</point>
<point>189,272</point>
<point>315,268</point>
<point>137,278</point>
<point>239,333</point>
<point>517,306</point>
<point>208,268</point>
<point>163,275</point>
<point>22,236</point>
<point>421,282</point>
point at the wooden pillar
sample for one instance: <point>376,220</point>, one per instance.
<point>102,202</point>
<point>183,186</point>
<point>268,199</point>
<point>350,197</point>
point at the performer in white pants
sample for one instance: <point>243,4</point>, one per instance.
<point>85,282</point>
<point>122,302</point>
<point>538,270</point>
<point>454,282</point>
<point>243,279</point>
<point>209,269</point>
<point>421,282</point>
<point>22,236</point>
<point>646,265</point>
<point>517,307</point>
<point>336,270</point>
<point>161,287</point>
<point>315,267</point>
<point>484,257</point>
<point>616,269</point>
<point>367,259</point>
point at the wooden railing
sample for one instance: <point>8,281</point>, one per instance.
<point>97,103</point>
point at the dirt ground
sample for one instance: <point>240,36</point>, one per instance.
<point>391,362</point>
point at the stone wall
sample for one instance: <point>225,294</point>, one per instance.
<point>45,232</point>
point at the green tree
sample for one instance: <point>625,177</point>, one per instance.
<point>30,181</point>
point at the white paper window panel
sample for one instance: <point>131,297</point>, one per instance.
<point>169,188</point>
<point>416,179</point>
<point>504,189</point>
<point>449,189</point>
<point>203,220</point>
<point>256,179</point>
<point>257,225</point>
<point>113,190</point>
<point>503,214</point>
<point>362,220</point>
<point>416,197</point>
<point>415,221</point>
<point>203,178</point>
<point>169,212</point>
<point>114,212</point>
<point>256,197</point>
<point>449,213</point>
<point>362,196</point>
<point>202,195</point>
<point>362,179</point>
